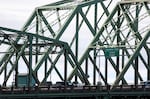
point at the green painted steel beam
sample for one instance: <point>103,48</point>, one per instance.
<point>6,59</point>
<point>57,37</point>
<point>29,21</point>
<point>58,73</point>
<point>53,66</point>
<point>47,24</point>
<point>30,34</point>
<point>59,2</point>
<point>72,42</point>
<point>72,57</point>
<point>136,53</point>
<point>6,29</point>
<point>77,65</point>
<point>30,62</point>
<point>89,3</point>
<point>87,22</point>
<point>78,74</point>
<point>61,32</point>
<point>78,27</point>
<point>69,5</point>
<point>83,4</point>
<point>16,61</point>
<point>42,59</point>
<point>34,35</point>
<point>57,5</point>
<point>96,67</point>
<point>133,65</point>
<point>96,37</point>
<point>28,66</point>
<point>114,28</point>
<point>134,30</point>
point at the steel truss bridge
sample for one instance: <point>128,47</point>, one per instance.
<point>84,41</point>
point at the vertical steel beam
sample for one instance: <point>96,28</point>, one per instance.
<point>136,42</point>
<point>30,38</point>
<point>95,66</point>
<point>132,29</point>
<point>95,55</point>
<point>148,51</point>
<point>45,71</point>
<point>16,73</point>
<point>96,38</point>
<point>118,40</point>
<point>57,37</point>
<point>37,40</point>
<point>53,63</point>
<point>46,23</point>
<point>77,40</point>
<point>148,59</point>
<point>58,17</point>
<point>136,53</point>
<point>106,70</point>
<point>94,69</point>
<point>65,66</point>
<point>15,63</point>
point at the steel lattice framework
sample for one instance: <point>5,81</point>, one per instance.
<point>84,41</point>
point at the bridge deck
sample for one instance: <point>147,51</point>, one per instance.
<point>76,92</point>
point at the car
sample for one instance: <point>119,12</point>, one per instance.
<point>145,83</point>
<point>63,84</point>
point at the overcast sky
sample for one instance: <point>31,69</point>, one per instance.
<point>14,13</point>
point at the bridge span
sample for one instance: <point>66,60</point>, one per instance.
<point>102,44</point>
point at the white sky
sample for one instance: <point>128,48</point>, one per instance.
<point>14,13</point>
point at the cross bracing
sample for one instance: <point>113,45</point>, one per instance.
<point>67,40</point>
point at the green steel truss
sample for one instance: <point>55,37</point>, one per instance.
<point>71,41</point>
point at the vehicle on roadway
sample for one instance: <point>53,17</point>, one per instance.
<point>62,84</point>
<point>146,84</point>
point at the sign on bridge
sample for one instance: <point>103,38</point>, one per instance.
<point>111,52</point>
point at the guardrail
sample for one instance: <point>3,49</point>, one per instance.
<point>84,88</point>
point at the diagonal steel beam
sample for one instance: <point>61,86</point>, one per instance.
<point>53,66</point>
<point>77,64</point>
<point>46,23</point>
<point>27,63</point>
<point>96,38</point>
<point>15,64</point>
<point>95,66</point>
<point>29,21</point>
<point>136,53</point>
<point>134,30</point>
<point>6,59</point>
<point>57,37</point>
<point>87,22</point>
